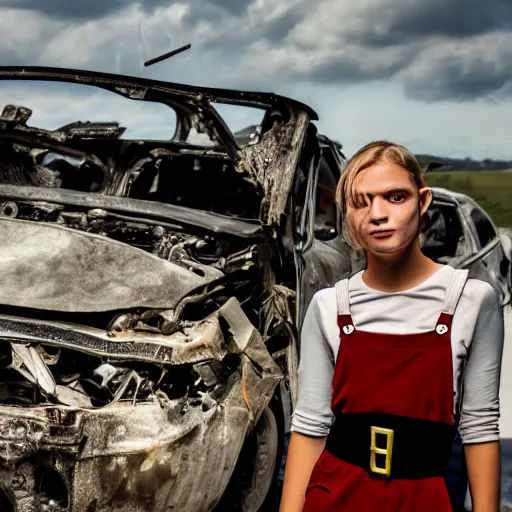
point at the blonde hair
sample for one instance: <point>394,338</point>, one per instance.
<point>371,154</point>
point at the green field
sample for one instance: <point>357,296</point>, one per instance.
<point>491,189</point>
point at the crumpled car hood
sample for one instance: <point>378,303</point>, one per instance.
<point>54,268</point>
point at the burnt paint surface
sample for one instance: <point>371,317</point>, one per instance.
<point>52,267</point>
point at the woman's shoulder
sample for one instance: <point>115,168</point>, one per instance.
<point>324,298</point>
<point>480,292</point>
<point>475,290</point>
<point>478,302</point>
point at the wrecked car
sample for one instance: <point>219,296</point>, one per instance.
<point>460,233</point>
<point>150,300</point>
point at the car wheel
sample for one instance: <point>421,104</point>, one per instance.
<point>255,471</point>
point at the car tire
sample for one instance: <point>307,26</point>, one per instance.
<point>255,472</point>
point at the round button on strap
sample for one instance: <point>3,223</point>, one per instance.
<point>441,329</point>
<point>348,329</point>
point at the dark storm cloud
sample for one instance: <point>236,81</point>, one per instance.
<point>349,70</point>
<point>436,49</point>
<point>401,21</point>
<point>232,6</point>
<point>484,70</point>
<point>92,9</point>
<point>457,87</point>
<point>234,38</point>
<point>277,30</point>
<point>68,9</point>
<point>454,18</point>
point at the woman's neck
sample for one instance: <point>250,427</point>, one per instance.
<point>397,272</point>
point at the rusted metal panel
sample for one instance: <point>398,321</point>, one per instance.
<point>272,164</point>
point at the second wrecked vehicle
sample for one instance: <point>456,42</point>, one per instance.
<point>148,318</point>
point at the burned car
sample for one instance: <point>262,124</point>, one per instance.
<point>151,291</point>
<point>461,234</point>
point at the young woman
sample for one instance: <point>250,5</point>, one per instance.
<point>394,360</point>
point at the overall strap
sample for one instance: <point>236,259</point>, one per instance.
<point>345,322</point>
<point>453,294</point>
<point>342,297</point>
<point>454,290</point>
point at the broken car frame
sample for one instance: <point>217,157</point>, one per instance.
<point>148,319</point>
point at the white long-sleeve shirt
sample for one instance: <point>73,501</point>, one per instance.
<point>476,338</point>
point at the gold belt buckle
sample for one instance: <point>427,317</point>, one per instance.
<point>375,450</point>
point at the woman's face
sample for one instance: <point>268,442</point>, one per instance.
<point>388,207</point>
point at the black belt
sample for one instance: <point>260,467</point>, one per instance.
<point>389,446</point>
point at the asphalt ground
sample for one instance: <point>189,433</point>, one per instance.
<point>506,411</point>
<point>506,405</point>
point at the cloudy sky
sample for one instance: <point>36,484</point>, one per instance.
<point>435,75</point>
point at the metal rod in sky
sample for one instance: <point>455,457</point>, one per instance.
<point>167,55</point>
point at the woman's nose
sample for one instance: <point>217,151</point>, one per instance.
<point>378,211</point>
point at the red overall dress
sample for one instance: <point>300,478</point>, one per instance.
<point>393,402</point>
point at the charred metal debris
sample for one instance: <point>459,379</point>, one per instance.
<point>147,299</point>
<point>167,55</point>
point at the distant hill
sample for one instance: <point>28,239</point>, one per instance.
<point>463,164</point>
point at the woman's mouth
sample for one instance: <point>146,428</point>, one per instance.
<point>384,233</point>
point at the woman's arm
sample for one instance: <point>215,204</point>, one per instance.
<point>303,452</point>
<point>479,422</point>
<point>484,467</point>
<point>312,416</point>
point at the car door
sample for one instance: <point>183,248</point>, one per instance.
<point>459,233</point>
<point>491,253</point>
<point>324,258</point>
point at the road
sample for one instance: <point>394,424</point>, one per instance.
<point>506,410</point>
<point>506,416</point>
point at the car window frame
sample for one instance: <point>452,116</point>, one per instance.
<point>467,231</point>
<point>485,218</point>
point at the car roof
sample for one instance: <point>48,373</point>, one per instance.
<point>114,81</point>
<point>451,196</point>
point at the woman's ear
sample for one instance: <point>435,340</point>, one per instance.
<point>425,198</point>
